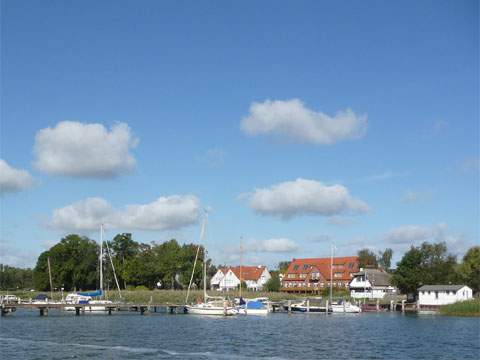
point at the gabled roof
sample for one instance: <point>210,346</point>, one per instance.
<point>376,277</point>
<point>301,266</point>
<point>248,272</point>
<point>441,287</point>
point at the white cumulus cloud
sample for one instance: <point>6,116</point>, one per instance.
<point>292,120</point>
<point>412,234</point>
<point>165,213</point>
<point>13,180</point>
<point>85,150</point>
<point>302,196</point>
<point>83,215</point>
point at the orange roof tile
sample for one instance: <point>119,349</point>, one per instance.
<point>248,272</point>
<point>344,265</point>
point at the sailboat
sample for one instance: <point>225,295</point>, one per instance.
<point>87,298</point>
<point>258,306</point>
<point>211,305</point>
<point>340,306</point>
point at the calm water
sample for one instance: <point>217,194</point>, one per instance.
<point>25,335</point>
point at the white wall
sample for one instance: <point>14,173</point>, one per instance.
<point>376,293</point>
<point>444,297</point>
<point>215,280</point>
<point>230,281</point>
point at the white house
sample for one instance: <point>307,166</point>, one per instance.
<point>371,284</point>
<point>228,278</point>
<point>431,296</point>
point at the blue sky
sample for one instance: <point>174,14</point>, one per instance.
<point>241,108</point>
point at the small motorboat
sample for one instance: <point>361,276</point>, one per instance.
<point>344,307</point>
<point>302,307</point>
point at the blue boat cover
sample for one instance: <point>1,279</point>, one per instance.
<point>241,301</point>
<point>92,294</point>
<point>255,305</point>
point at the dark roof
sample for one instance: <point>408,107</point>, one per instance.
<point>376,277</point>
<point>441,287</point>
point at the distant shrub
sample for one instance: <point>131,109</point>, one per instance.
<point>141,288</point>
<point>462,308</point>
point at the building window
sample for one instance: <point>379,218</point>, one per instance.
<point>295,267</point>
<point>436,294</point>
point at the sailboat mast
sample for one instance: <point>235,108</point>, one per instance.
<point>101,258</point>
<point>204,274</point>
<point>241,262</point>
<point>331,275</point>
<point>50,277</point>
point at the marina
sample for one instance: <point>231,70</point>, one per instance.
<point>127,335</point>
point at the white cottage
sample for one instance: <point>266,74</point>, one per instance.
<point>228,278</point>
<point>371,284</point>
<point>432,296</point>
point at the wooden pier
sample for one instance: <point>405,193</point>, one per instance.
<point>44,308</point>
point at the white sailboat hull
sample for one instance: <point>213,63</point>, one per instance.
<point>202,309</point>
<point>253,311</point>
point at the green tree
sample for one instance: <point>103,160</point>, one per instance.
<point>273,284</point>
<point>143,270</point>
<point>283,266</point>
<point>385,258</point>
<point>469,269</point>
<point>12,278</point>
<point>168,261</point>
<point>74,264</point>
<point>124,249</point>
<point>426,264</point>
<point>367,258</point>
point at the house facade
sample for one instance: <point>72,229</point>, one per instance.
<point>432,296</point>
<point>229,278</point>
<point>312,275</point>
<point>371,284</point>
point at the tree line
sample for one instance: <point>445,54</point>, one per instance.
<point>74,263</point>
<point>427,264</point>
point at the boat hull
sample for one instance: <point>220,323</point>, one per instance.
<point>210,310</point>
<point>347,309</point>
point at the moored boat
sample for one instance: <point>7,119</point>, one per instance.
<point>253,307</point>
<point>345,307</point>
<point>210,305</point>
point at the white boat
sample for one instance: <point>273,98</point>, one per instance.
<point>253,307</point>
<point>345,307</point>
<point>213,306</point>
<point>76,299</point>
<point>210,305</point>
<point>98,305</point>
<point>93,301</point>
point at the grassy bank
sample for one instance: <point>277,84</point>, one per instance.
<point>464,308</point>
<point>164,296</point>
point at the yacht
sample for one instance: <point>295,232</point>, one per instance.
<point>211,305</point>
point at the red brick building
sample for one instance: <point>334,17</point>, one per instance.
<point>313,274</point>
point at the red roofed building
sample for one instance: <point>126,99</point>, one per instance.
<point>228,278</point>
<point>313,274</point>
